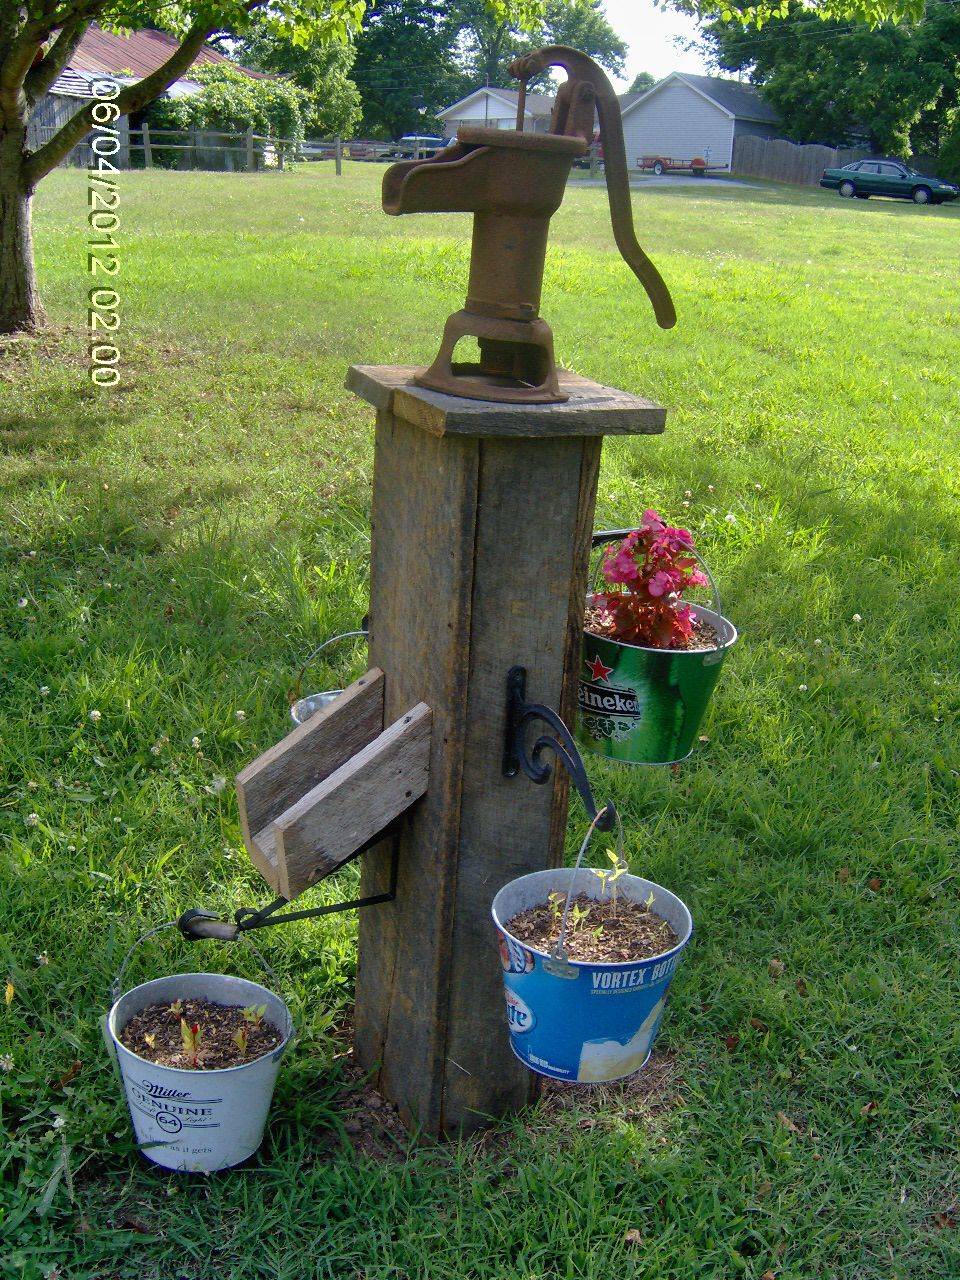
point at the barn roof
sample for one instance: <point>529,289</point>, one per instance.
<point>132,56</point>
<point>742,101</point>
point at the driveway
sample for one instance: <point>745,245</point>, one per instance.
<point>640,180</point>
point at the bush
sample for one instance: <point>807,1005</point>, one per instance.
<point>232,101</point>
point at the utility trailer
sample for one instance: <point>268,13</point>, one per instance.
<point>698,166</point>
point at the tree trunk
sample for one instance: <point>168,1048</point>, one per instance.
<point>20,305</point>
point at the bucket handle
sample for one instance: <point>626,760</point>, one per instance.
<point>558,962</point>
<point>603,536</point>
<point>116,985</point>
<point>295,692</point>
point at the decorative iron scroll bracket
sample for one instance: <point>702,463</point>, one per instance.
<point>197,923</point>
<point>517,757</point>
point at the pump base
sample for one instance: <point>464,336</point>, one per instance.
<point>516,366</point>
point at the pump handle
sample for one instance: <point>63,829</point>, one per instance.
<point>582,70</point>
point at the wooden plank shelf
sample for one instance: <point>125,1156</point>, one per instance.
<point>323,792</point>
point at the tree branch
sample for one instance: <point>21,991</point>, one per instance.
<point>132,98</point>
<point>27,42</point>
<point>42,75</point>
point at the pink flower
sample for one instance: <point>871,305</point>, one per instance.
<point>661,583</point>
<point>648,572</point>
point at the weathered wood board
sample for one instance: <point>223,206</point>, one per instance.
<point>592,409</point>
<point>307,755</point>
<point>338,816</point>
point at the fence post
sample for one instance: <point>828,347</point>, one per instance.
<point>251,152</point>
<point>147,149</point>
<point>338,154</point>
<point>123,127</point>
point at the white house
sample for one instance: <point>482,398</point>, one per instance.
<point>685,116</point>
<point>492,108</point>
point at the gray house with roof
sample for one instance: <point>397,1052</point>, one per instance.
<point>685,116</point>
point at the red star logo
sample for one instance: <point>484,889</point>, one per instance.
<point>598,670</point>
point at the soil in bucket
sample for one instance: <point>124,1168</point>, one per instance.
<point>607,931</point>
<point>198,1035</point>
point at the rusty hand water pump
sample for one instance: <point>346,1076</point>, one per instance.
<point>513,182</point>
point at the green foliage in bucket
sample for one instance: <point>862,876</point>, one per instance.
<point>648,573</point>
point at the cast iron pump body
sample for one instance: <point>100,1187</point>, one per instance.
<point>513,182</point>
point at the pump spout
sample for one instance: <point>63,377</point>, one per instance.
<point>485,171</point>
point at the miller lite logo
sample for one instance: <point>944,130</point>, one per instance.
<point>519,1014</point>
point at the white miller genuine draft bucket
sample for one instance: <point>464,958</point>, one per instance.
<point>596,1022</point>
<point>198,1121</point>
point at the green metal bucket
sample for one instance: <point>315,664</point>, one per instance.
<point>641,705</point>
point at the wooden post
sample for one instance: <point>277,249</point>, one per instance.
<point>338,155</point>
<point>147,149</point>
<point>251,154</point>
<point>123,128</point>
<point>482,515</point>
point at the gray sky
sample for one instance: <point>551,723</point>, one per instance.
<point>649,31</point>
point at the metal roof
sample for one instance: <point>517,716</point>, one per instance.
<point>742,101</point>
<point>134,55</point>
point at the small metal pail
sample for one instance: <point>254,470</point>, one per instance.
<point>641,705</point>
<point>576,1020</point>
<point>302,708</point>
<point>198,1121</point>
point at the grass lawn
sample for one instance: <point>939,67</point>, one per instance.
<point>171,551</point>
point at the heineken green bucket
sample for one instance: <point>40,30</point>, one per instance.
<point>641,705</point>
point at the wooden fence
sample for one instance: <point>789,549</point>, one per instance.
<point>788,161</point>
<point>246,152</point>
<point>148,148</point>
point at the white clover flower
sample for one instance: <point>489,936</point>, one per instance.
<point>688,493</point>
<point>44,691</point>
<point>818,641</point>
<point>803,688</point>
<point>857,618</point>
<point>42,958</point>
<point>22,602</point>
<point>240,715</point>
<point>155,749</point>
<point>32,785</point>
<point>685,504</point>
<point>59,1123</point>
<point>758,487</point>
<point>195,743</point>
<point>6,1062</point>
<point>709,488</point>
<point>730,518</point>
<point>95,715</point>
<point>32,819</point>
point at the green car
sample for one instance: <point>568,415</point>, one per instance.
<point>865,178</point>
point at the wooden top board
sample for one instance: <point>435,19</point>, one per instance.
<point>592,410</point>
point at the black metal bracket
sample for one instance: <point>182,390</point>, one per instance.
<point>196,923</point>
<point>516,757</point>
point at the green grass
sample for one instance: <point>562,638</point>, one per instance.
<point>182,542</point>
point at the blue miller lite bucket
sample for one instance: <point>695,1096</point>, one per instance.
<point>597,1022</point>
